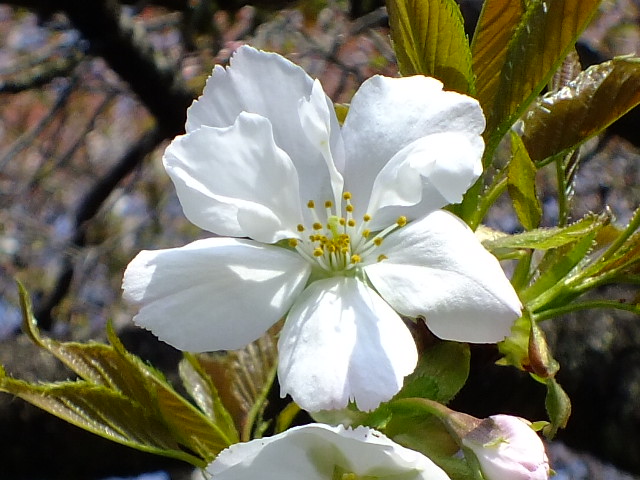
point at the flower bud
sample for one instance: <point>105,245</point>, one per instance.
<point>507,448</point>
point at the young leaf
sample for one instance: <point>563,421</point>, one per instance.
<point>243,379</point>
<point>548,238</point>
<point>558,407</point>
<point>562,120</point>
<point>522,185</point>
<point>118,386</point>
<point>428,38</point>
<point>496,25</point>
<point>102,411</point>
<point>201,388</point>
<point>545,34</point>
<point>554,267</point>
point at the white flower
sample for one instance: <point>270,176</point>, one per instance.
<point>321,452</point>
<point>343,225</point>
<point>507,448</point>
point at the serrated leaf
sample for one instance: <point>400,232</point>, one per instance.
<point>102,411</point>
<point>560,121</point>
<point>548,238</point>
<point>187,423</point>
<point>521,183</point>
<point>243,379</point>
<point>497,22</point>
<point>555,266</point>
<point>546,32</point>
<point>110,371</point>
<point>428,38</point>
<point>201,388</point>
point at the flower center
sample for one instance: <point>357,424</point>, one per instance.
<point>342,243</point>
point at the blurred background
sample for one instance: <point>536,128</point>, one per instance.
<point>90,95</point>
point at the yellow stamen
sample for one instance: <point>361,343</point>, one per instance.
<point>317,226</point>
<point>346,195</point>
<point>300,228</point>
<point>293,242</point>
<point>378,241</point>
<point>311,204</point>
<point>402,221</point>
<point>318,252</point>
<point>366,217</point>
<point>382,257</point>
<point>355,259</point>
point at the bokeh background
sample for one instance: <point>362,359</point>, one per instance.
<point>90,95</point>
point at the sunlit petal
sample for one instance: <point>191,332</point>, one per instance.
<point>213,294</point>
<point>341,342</point>
<point>436,268</point>
<point>271,86</point>
<point>235,181</point>
<point>388,114</point>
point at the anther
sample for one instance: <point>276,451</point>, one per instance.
<point>377,241</point>
<point>351,222</point>
<point>300,228</point>
<point>311,204</point>
<point>355,259</point>
<point>293,242</point>
<point>318,252</point>
<point>349,208</point>
<point>328,204</point>
<point>402,221</point>
<point>346,195</point>
<point>382,257</point>
<point>366,217</point>
<point>317,226</point>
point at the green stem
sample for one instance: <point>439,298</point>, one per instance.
<point>575,307</point>
<point>563,201</point>
<point>623,237</point>
<point>488,198</point>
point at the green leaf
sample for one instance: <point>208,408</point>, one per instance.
<point>555,266</point>
<point>243,379</point>
<point>545,34</point>
<point>521,177</point>
<point>548,238</point>
<point>200,387</point>
<point>558,407</point>
<point>116,386</point>
<point>441,372</point>
<point>497,22</point>
<point>102,411</point>
<point>428,38</point>
<point>562,120</point>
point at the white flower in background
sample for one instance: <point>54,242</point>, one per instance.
<point>507,448</point>
<point>321,452</point>
<point>343,224</point>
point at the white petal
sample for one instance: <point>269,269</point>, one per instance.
<point>341,342</point>
<point>315,116</point>
<point>235,181</point>
<point>269,85</point>
<point>426,175</point>
<point>387,114</point>
<point>317,451</point>
<point>436,268</point>
<point>213,294</point>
